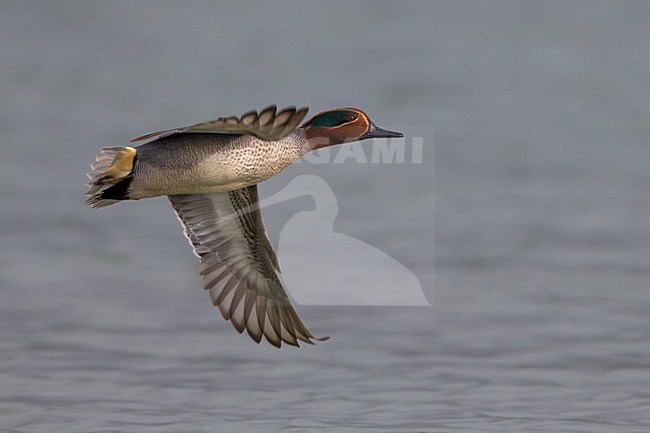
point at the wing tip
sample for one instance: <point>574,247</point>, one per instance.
<point>157,134</point>
<point>278,343</point>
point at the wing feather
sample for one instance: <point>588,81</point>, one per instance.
<point>266,125</point>
<point>238,264</point>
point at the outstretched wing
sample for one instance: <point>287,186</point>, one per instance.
<point>267,125</point>
<point>238,264</point>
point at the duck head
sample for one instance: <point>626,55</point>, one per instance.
<point>342,125</point>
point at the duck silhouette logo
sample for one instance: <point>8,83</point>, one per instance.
<point>354,272</point>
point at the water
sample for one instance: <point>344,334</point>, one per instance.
<point>541,313</point>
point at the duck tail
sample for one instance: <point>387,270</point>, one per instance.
<point>110,176</point>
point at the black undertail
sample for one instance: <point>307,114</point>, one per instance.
<point>119,191</point>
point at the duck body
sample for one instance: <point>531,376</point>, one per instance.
<point>204,163</point>
<point>209,172</point>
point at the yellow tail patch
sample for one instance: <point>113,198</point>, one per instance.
<point>122,165</point>
<point>112,165</point>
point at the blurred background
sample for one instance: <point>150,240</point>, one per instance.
<point>526,224</point>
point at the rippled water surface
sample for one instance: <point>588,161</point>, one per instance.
<point>535,256</point>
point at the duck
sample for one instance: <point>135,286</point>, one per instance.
<point>209,171</point>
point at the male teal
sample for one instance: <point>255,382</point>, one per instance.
<point>210,171</point>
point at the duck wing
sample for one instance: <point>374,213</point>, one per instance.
<point>238,264</point>
<point>268,125</point>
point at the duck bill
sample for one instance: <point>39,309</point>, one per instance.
<point>376,132</point>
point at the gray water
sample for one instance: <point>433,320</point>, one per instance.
<point>535,256</point>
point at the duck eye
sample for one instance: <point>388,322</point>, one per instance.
<point>350,118</point>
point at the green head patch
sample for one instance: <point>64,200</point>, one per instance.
<point>333,118</point>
